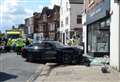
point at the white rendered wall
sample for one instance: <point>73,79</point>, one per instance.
<point>115,36</point>
<point>84,32</point>
<point>63,14</point>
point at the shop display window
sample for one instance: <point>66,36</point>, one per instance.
<point>99,36</point>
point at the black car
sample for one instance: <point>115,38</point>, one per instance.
<point>48,50</point>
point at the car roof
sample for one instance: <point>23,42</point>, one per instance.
<point>48,41</point>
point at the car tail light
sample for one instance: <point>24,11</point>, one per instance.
<point>23,50</point>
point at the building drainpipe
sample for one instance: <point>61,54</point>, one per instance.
<point>119,35</point>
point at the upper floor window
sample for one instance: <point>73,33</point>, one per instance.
<point>40,28</point>
<point>61,23</point>
<point>51,27</point>
<point>66,20</point>
<point>61,11</point>
<point>79,19</point>
<point>67,6</point>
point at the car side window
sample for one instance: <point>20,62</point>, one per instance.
<point>46,46</point>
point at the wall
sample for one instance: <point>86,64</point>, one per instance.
<point>84,32</point>
<point>98,11</point>
<point>63,14</point>
<point>115,36</point>
<point>75,9</point>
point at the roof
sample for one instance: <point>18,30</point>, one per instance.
<point>57,7</point>
<point>46,11</point>
<point>76,1</point>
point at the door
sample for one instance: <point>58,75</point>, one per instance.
<point>49,51</point>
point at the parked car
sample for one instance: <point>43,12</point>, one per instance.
<point>48,50</point>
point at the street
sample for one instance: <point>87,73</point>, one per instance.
<point>13,68</point>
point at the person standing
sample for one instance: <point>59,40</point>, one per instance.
<point>27,42</point>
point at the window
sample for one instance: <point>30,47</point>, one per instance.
<point>46,46</point>
<point>51,35</point>
<point>66,20</point>
<point>108,22</point>
<point>61,23</point>
<point>67,6</point>
<point>40,28</point>
<point>102,24</point>
<point>79,19</point>
<point>98,37</point>
<point>51,27</point>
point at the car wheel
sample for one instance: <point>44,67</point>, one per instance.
<point>67,59</point>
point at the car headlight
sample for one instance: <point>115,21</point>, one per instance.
<point>36,47</point>
<point>80,47</point>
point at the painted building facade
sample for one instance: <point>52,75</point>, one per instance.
<point>71,19</point>
<point>115,35</point>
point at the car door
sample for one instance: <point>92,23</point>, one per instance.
<point>49,51</point>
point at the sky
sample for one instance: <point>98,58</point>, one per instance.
<point>13,12</point>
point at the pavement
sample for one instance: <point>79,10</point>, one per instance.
<point>52,72</point>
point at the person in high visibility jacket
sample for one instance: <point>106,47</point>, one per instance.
<point>19,44</point>
<point>73,42</point>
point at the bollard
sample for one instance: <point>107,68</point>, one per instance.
<point>105,68</point>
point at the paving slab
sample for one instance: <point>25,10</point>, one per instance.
<point>77,73</point>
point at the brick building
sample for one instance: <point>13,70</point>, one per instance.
<point>46,24</point>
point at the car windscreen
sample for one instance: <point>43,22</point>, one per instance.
<point>58,44</point>
<point>34,44</point>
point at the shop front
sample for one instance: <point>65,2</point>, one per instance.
<point>98,29</point>
<point>98,37</point>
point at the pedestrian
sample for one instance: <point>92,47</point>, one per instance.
<point>6,40</point>
<point>27,42</point>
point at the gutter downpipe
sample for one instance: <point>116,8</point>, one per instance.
<point>119,37</point>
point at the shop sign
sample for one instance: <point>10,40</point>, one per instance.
<point>95,12</point>
<point>116,1</point>
<point>98,12</point>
